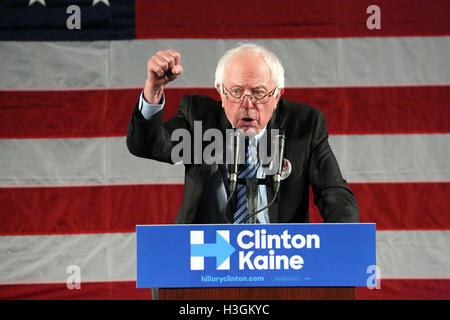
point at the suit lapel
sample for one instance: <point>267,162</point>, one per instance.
<point>223,120</point>
<point>274,123</point>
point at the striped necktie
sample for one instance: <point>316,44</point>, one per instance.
<point>247,171</point>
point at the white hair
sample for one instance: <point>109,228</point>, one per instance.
<point>272,61</point>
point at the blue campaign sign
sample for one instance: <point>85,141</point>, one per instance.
<point>255,255</point>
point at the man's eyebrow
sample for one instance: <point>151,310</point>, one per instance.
<point>253,88</point>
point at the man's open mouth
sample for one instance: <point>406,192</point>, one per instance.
<point>248,120</point>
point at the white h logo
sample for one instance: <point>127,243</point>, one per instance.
<point>222,250</point>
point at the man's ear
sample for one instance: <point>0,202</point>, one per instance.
<point>218,89</point>
<point>278,95</point>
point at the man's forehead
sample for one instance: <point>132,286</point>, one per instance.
<point>247,62</point>
<point>248,69</point>
<point>237,80</point>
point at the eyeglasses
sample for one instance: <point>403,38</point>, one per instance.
<point>257,96</point>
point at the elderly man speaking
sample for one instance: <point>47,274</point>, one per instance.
<point>250,81</point>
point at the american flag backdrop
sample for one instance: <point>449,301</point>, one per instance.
<point>71,194</point>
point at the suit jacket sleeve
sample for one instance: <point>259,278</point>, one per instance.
<point>333,197</point>
<point>151,138</point>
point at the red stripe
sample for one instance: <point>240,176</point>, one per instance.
<point>50,210</point>
<point>391,289</point>
<point>407,289</point>
<point>118,290</point>
<point>105,113</point>
<point>61,114</point>
<point>288,19</point>
<point>362,110</point>
<point>400,205</point>
<point>88,209</point>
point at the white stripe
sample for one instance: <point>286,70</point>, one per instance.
<point>93,161</point>
<point>112,256</point>
<point>413,254</point>
<point>82,161</point>
<point>43,259</point>
<point>393,158</point>
<point>370,61</point>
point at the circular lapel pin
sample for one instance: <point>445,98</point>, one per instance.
<point>286,170</point>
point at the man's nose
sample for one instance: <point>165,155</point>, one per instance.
<point>247,101</point>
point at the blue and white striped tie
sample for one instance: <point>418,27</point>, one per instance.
<point>247,171</point>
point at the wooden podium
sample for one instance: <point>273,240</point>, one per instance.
<point>259,293</point>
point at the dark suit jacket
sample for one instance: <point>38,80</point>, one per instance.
<point>313,162</point>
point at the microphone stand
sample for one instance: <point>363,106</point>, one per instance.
<point>233,174</point>
<point>252,215</point>
<point>224,210</point>
<point>252,191</point>
<point>252,196</point>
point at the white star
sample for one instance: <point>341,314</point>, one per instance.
<point>39,1</point>
<point>94,2</point>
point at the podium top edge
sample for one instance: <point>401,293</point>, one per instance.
<point>254,224</point>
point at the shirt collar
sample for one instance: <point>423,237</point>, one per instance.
<point>258,136</point>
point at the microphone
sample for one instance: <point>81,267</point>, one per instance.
<point>277,176</point>
<point>234,171</point>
